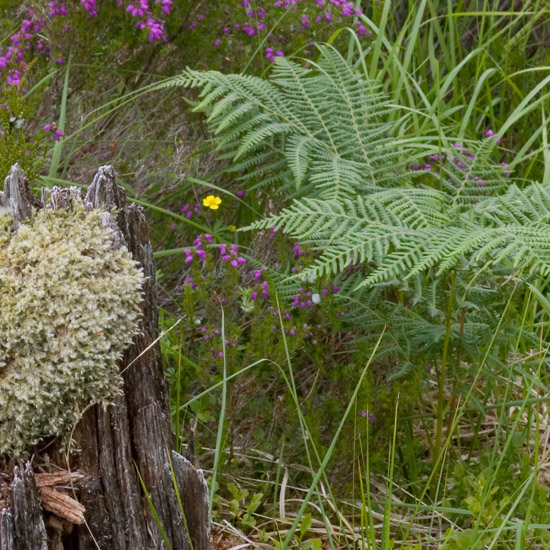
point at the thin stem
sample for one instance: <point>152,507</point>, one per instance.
<point>440,397</point>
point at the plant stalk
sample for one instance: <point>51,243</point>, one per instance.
<point>440,397</point>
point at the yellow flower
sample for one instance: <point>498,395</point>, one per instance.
<point>212,202</point>
<point>232,228</point>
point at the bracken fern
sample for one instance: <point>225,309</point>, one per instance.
<point>321,133</point>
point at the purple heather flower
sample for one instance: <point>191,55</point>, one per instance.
<point>90,7</point>
<point>166,5</point>
<point>362,30</point>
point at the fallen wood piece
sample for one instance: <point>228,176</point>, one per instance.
<point>58,478</point>
<point>62,505</point>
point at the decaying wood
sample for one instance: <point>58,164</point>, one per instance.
<point>29,528</point>
<point>7,541</point>
<point>133,433</point>
<point>194,495</point>
<point>56,478</point>
<point>62,505</point>
<point>17,196</point>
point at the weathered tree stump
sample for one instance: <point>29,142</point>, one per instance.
<point>103,505</point>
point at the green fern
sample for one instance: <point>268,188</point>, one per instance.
<point>327,122</point>
<point>402,232</point>
<point>322,132</point>
<point>320,135</point>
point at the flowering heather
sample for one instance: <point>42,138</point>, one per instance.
<point>32,37</point>
<point>310,19</point>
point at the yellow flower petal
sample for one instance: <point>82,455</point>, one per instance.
<point>211,202</point>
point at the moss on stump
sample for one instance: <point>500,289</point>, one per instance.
<point>69,307</point>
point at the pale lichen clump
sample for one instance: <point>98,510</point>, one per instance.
<point>69,306</point>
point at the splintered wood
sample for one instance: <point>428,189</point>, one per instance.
<point>53,500</point>
<point>62,505</point>
<point>58,503</point>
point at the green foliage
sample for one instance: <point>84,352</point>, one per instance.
<point>17,112</point>
<point>404,232</point>
<point>325,129</point>
<point>319,127</point>
<point>488,493</point>
<point>241,508</point>
<point>69,307</point>
<point>324,133</point>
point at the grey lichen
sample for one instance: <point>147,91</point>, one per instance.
<point>69,306</point>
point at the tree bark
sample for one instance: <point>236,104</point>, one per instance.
<point>116,445</point>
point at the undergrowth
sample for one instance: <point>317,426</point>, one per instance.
<point>353,253</point>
